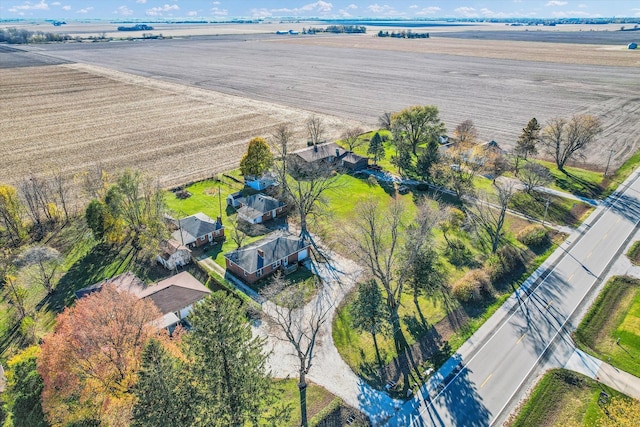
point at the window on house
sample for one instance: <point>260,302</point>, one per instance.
<point>259,273</point>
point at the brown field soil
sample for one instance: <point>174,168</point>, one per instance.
<point>564,53</point>
<point>70,117</point>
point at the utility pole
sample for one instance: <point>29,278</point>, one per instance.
<point>546,209</point>
<point>606,170</point>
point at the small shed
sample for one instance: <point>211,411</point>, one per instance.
<point>235,199</point>
<point>633,45</point>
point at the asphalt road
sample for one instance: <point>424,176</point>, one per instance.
<point>537,332</point>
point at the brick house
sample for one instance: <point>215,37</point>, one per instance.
<point>331,154</point>
<point>197,230</point>
<point>259,208</point>
<point>260,259</point>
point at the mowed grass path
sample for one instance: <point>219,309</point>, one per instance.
<point>563,398</point>
<point>614,316</point>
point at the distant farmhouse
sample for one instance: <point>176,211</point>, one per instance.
<point>331,154</point>
<point>262,258</point>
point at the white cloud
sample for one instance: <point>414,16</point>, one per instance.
<point>219,12</point>
<point>123,11</point>
<point>466,11</point>
<point>55,3</point>
<point>316,7</point>
<point>574,14</point>
<point>85,10</point>
<point>583,6</point>
<point>141,1</point>
<point>260,13</point>
<point>431,10</point>
<point>414,6</point>
<point>30,6</point>
<point>383,10</point>
<point>192,13</point>
<point>215,3</point>
<point>556,3</point>
<point>161,10</point>
<point>66,7</point>
<point>352,7</point>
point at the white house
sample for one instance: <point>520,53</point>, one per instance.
<point>174,254</point>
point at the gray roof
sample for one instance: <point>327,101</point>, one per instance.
<point>320,152</point>
<point>176,292</point>
<point>275,247</point>
<point>258,204</point>
<point>195,226</point>
<point>127,281</point>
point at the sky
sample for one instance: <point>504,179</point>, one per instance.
<point>230,9</point>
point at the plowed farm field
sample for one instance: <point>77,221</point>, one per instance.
<point>72,117</point>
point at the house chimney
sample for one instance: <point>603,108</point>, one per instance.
<point>337,152</point>
<point>315,148</point>
<point>219,220</point>
<point>260,258</point>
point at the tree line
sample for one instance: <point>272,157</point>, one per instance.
<point>21,36</point>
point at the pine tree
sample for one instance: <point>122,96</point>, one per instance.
<point>227,364</point>
<point>369,312</point>
<point>376,148</point>
<point>526,144</point>
<point>163,398</point>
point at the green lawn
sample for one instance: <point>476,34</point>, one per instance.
<point>561,211</point>
<point>634,253</point>
<point>287,400</point>
<point>210,198</point>
<point>614,316</point>
<point>563,398</point>
<point>580,182</point>
<point>622,173</point>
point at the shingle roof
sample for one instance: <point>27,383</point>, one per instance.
<point>275,247</point>
<point>195,226</point>
<point>258,204</point>
<point>176,292</point>
<point>320,152</point>
<point>124,282</point>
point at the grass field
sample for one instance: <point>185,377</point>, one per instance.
<point>611,328</point>
<point>563,398</point>
<point>288,400</point>
<point>634,253</point>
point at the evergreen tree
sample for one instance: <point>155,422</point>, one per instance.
<point>526,144</point>
<point>426,159</point>
<point>369,312</point>
<point>163,398</point>
<point>23,390</point>
<point>227,364</point>
<point>376,148</point>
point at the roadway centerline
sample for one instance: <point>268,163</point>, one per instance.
<point>486,380</point>
<point>520,339</point>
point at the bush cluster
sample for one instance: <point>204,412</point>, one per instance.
<point>533,235</point>
<point>503,263</point>
<point>471,286</point>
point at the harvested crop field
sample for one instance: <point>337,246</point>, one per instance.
<point>359,77</point>
<point>70,117</point>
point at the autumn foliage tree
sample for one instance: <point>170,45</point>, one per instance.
<point>258,158</point>
<point>89,364</point>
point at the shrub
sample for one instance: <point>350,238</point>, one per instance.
<point>459,254</point>
<point>503,263</point>
<point>422,187</point>
<point>372,181</point>
<point>471,286</point>
<point>533,235</point>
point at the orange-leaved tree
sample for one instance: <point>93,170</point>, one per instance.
<point>89,364</point>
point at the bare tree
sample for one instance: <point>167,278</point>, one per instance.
<point>17,294</point>
<point>458,169</point>
<point>566,139</point>
<point>37,200</point>
<point>305,187</point>
<point>61,188</point>
<point>351,137</point>
<point>316,129</point>
<point>385,120</point>
<point>490,218</point>
<point>46,262</point>
<point>237,235</point>
<point>466,133</point>
<point>300,325</point>
<point>95,181</point>
<point>280,145</point>
<point>535,175</point>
